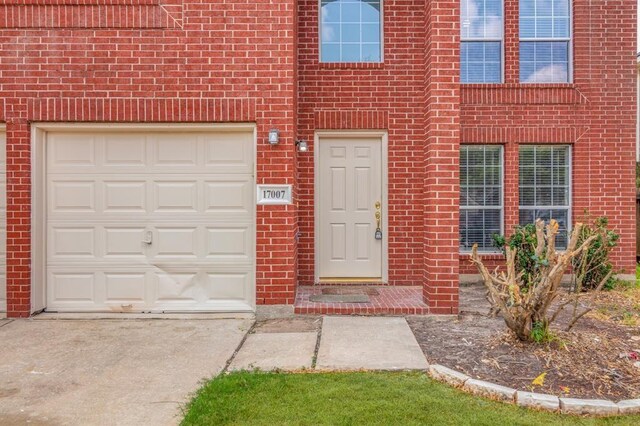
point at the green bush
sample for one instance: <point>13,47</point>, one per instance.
<point>593,268</point>
<point>524,242</point>
<point>590,268</point>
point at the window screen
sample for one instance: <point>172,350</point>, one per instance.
<point>350,30</point>
<point>480,196</point>
<point>545,186</point>
<point>481,41</point>
<point>545,36</point>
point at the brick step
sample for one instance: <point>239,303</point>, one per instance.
<point>384,300</point>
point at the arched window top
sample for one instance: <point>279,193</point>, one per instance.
<point>350,30</point>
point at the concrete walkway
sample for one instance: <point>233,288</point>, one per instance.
<point>369,343</point>
<point>109,372</point>
<point>276,351</point>
<point>345,343</point>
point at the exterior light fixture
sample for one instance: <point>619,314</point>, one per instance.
<point>302,146</point>
<point>274,136</point>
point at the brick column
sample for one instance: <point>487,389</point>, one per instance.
<point>442,150</point>
<point>511,41</point>
<point>18,218</point>
<point>511,185</point>
<point>277,226</point>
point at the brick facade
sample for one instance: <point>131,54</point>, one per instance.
<point>257,61</point>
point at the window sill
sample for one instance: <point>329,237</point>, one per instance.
<point>519,85</point>
<point>520,93</point>
<point>487,255</point>
<point>351,65</point>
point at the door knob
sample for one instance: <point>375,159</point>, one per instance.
<point>148,237</point>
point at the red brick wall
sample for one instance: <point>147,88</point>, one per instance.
<point>241,60</point>
<point>387,96</point>
<point>178,61</point>
<point>595,114</point>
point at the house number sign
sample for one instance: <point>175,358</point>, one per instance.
<point>274,194</point>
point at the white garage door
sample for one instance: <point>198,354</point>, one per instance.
<point>3,223</point>
<point>146,221</point>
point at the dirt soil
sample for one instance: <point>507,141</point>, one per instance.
<point>599,358</point>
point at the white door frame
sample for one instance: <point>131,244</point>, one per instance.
<point>352,134</point>
<point>39,189</point>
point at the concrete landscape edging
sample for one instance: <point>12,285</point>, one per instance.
<point>541,401</point>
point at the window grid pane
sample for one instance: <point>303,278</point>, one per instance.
<point>480,196</point>
<point>350,31</point>
<point>544,61</point>
<point>545,36</point>
<point>545,186</point>
<point>481,32</point>
<point>480,62</point>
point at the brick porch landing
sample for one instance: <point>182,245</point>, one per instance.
<point>389,300</point>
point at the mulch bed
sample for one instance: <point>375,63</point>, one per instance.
<point>594,360</point>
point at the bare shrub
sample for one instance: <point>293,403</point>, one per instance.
<point>524,298</point>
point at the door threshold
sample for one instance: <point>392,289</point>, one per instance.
<point>355,280</point>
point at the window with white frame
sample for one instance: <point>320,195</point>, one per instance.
<point>481,32</point>
<point>545,41</point>
<point>480,196</point>
<point>545,188</point>
<point>350,30</point>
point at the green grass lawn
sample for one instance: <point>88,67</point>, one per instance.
<point>357,399</point>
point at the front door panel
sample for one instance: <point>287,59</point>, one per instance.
<point>349,195</point>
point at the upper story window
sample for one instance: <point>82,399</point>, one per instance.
<point>481,27</point>
<point>350,30</point>
<point>545,41</point>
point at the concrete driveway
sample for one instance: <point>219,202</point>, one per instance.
<point>109,372</point>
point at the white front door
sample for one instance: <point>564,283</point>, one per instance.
<point>150,221</point>
<point>349,199</point>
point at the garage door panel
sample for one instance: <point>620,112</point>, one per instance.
<point>229,196</point>
<point>173,241</point>
<point>178,286</point>
<point>229,285</point>
<point>124,288</point>
<point>72,150</point>
<point>151,222</point>
<point>72,287</point>
<point>72,196</point>
<point>75,242</point>
<point>125,196</point>
<point>175,196</point>
<point>126,242</point>
<point>226,242</point>
<point>229,152</point>
<point>175,149</point>
<point>125,150</point>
